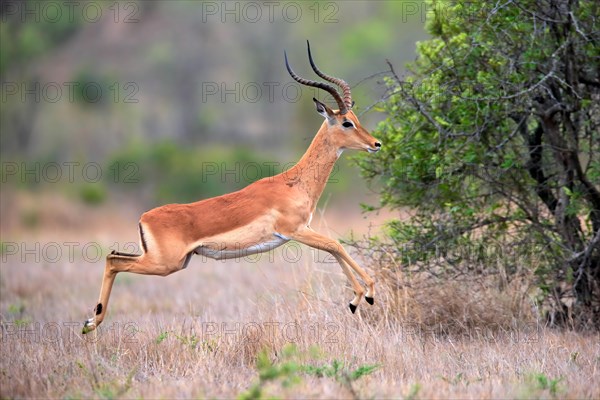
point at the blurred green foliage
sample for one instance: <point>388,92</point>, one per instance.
<point>92,88</point>
<point>22,42</point>
<point>93,193</point>
<point>177,173</point>
<point>164,74</point>
<point>186,174</point>
<point>157,173</point>
<point>110,91</point>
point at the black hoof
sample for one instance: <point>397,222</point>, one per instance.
<point>369,300</point>
<point>86,328</point>
<point>352,308</point>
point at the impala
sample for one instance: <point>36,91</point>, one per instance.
<point>262,216</point>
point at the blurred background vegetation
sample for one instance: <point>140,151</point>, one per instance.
<point>156,95</point>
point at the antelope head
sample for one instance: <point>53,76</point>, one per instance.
<point>342,125</point>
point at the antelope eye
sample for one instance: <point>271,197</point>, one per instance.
<point>347,124</point>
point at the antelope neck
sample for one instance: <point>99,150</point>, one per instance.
<point>312,172</point>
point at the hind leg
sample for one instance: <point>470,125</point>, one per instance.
<point>138,264</point>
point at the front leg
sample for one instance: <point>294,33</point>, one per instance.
<point>315,240</point>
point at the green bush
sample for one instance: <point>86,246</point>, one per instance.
<point>493,141</point>
<point>93,193</point>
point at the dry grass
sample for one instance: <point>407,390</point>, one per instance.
<point>459,306</point>
<point>198,332</point>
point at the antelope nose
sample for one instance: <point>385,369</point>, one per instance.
<point>377,144</point>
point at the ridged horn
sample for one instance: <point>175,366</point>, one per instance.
<point>340,82</point>
<point>320,85</point>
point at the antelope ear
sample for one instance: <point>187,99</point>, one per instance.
<point>324,110</point>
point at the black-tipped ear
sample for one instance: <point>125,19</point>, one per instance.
<point>324,110</point>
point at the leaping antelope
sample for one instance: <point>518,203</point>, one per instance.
<point>258,218</point>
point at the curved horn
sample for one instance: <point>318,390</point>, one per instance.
<point>340,82</point>
<point>328,88</point>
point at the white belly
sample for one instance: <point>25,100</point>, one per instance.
<point>239,250</point>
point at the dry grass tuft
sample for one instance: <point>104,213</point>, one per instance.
<point>456,307</point>
<point>441,304</point>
